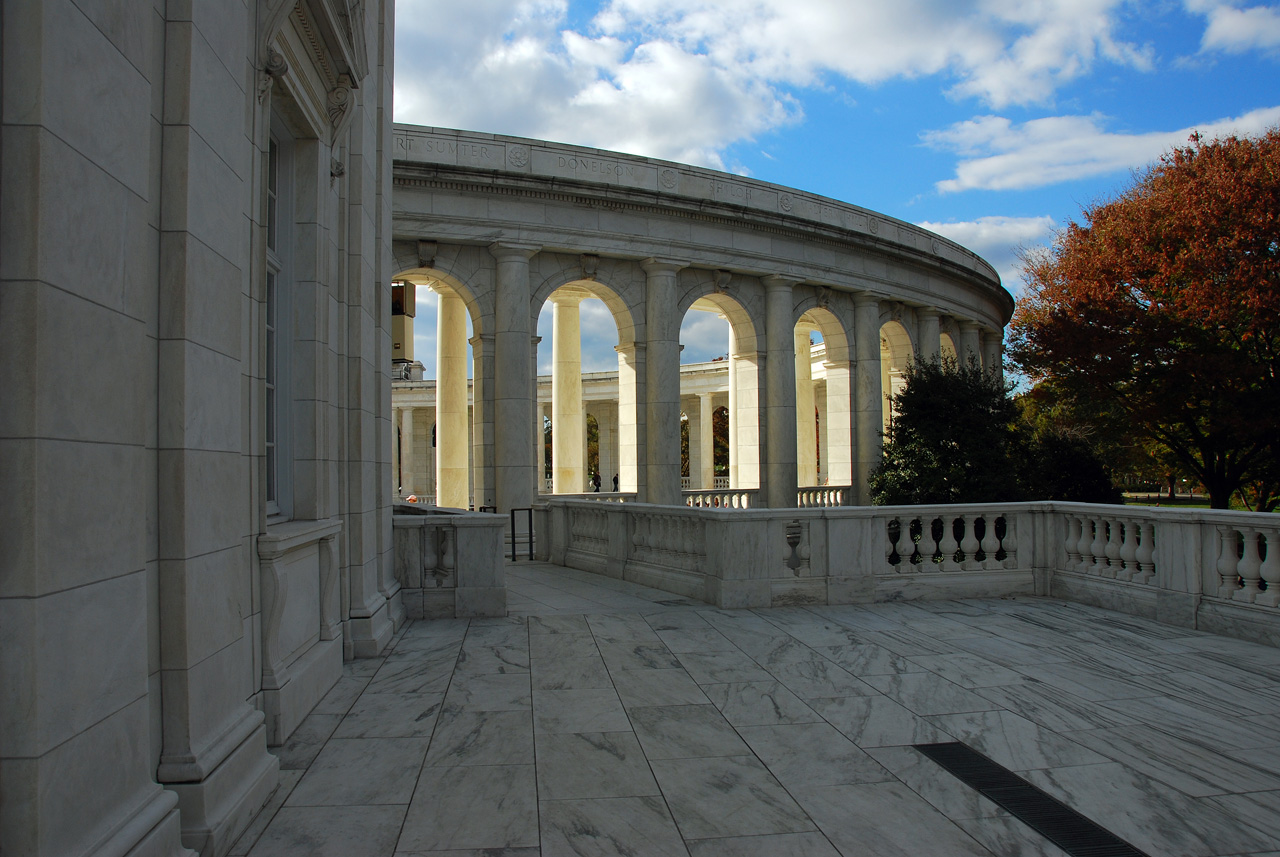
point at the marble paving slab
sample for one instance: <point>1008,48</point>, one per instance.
<point>727,796</point>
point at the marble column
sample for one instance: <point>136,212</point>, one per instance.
<point>824,435</point>
<point>453,487</point>
<point>631,425</point>
<point>395,453</point>
<point>837,421</point>
<point>806,434</point>
<point>868,398</point>
<point>515,385</point>
<point>928,334</point>
<point>780,394</point>
<point>407,485</point>
<point>706,476</point>
<point>993,353</point>
<point>662,382</point>
<point>733,409</point>
<point>482,420</point>
<point>607,420</point>
<point>568,436</point>
<point>970,343</point>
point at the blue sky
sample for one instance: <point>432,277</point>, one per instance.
<point>990,122</point>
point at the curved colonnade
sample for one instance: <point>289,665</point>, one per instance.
<point>498,226</point>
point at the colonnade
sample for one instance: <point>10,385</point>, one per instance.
<point>787,410</point>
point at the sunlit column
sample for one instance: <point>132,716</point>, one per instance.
<point>706,476</point>
<point>733,409</point>
<point>780,394</point>
<point>631,427</point>
<point>566,393</point>
<point>868,404</point>
<point>928,334</point>
<point>662,383</point>
<point>820,398</point>
<point>806,434</point>
<point>515,389</point>
<point>406,452</point>
<point>607,421</point>
<point>395,452</point>
<point>453,487</point>
<point>482,488</point>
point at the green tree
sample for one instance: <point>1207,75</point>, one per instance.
<point>1161,312</point>
<point>952,439</point>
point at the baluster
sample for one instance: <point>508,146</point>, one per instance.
<point>1249,568</point>
<point>949,545</point>
<point>928,545</point>
<point>1229,580</point>
<point>1146,553</point>
<point>1072,543</point>
<point>1082,546</point>
<point>892,544</point>
<point>1098,548</point>
<point>1129,551</point>
<point>906,545</point>
<point>1270,569</point>
<point>1112,550</point>
<point>990,543</point>
<point>1010,542</point>
<point>969,544</point>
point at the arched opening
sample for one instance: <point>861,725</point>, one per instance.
<point>720,375</point>
<point>437,426</point>
<point>948,349</point>
<point>896,351</point>
<point>824,419</point>
<point>584,377</point>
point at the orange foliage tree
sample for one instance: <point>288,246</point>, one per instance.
<point>1161,312</point>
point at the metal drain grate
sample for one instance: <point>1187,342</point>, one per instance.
<point>1049,817</point>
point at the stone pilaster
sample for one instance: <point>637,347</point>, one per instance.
<point>868,398</point>
<point>453,487</point>
<point>928,334</point>
<point>514,393</point>
<point>662,399</point>
<point>780,393</point>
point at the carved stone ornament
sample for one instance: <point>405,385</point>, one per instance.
<point>339,101</point>
<point>874,225</point>
<point>722,281</point>
<point>426,254</point>
<point>518,156</point>
<point>934,248</point>
<point>785,202</point>
<point>275,66</point>
<point>824,296</point>
<point>590,264</point>
<point>337,169</point>
<point>668,178</point>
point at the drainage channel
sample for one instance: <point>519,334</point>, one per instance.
<point>1048,816</point>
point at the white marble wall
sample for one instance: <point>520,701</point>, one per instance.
<point>154,640</point>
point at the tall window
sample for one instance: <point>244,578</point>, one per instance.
<point>276,314</point>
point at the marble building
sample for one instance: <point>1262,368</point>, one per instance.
<point>500,226</point>
<point>205,206</point>
<point>194,402</point>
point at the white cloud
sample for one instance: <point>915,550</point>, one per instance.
<point>998,239</point>
<point>1237,30</point>
<point>997,154</point>
<point>683,79</point>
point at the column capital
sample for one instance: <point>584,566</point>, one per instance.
<point>773,282</point>
<point>864,299</point>
<point>481,339</point>
<point>966,324</point>
<point>569,295</point>
<point>656,265</point>
<point>510,250</point>
<point>633,348</point>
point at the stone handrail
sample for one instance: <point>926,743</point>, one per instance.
<point>721,498</point>
<point>824,496</point>
<point>1212,570</point>
<point>449,563</point>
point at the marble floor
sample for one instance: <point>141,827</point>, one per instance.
<point>605,718</point>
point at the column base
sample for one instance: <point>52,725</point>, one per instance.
<point>154,830</point>
<point>310,678</point>
<point>216,810</point>
<point>370,634</point>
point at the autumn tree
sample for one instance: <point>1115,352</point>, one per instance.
<point>1160,311</point>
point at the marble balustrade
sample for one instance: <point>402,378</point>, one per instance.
<point>1212,570</point>
<point>449,563</point>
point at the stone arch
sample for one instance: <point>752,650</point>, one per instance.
<point>746,344</point>
<point>833,445</point>
<point>896,353</point>
<point>610,284</point>
<point>947,349</point>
